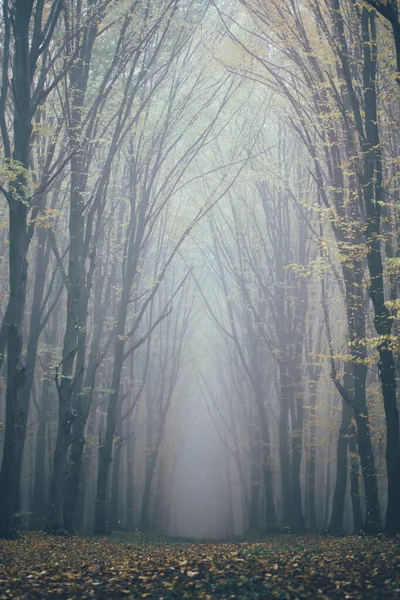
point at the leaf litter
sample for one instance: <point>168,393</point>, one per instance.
<point>283,567</point>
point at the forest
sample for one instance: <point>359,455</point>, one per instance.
<point>200,299</point>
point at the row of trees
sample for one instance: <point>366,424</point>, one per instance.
<point>105,113</point>
<point>145,189</point>
<point>319,221</point>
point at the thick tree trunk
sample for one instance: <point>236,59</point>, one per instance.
<point>356,323</point>
<point>101,525</point>
<point>80,508</point>
<point>372,516</point>
<point>17,404</point>
<point>39,485</point>
<point>82,404</point>
<point>66,413</point>
<point>36,327</point>
<point>355,481</point>
<point>77,297</point>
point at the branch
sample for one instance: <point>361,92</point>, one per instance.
<point>145,337</point>
<point>58,258</point>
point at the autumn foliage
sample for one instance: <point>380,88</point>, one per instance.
<point>285,567</point>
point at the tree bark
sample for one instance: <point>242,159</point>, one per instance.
<point>17,404</point>
<point>130,497</point>
<point>76,292</point>
<point>311,462</point>
<point>339,496</point>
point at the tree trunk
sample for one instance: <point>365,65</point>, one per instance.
<point>297,448</point>
<point>356,323</point>
<point>339,496</point>
<point>79,512</point>
<point>145,524</point>
<point>328,481</point>
<point>115,523</point>
<point>83,401</point>
<point>266,462</point>
<point>229,516</point>
<point>101,525</point>
<point>311,462</point>
<point>355,481</point>
<point>39,485</point>
<point>67,413</point>
<point>286,516</point>
<point>130,496</point>
<point>17,404</point>
<point>371,181</point>
<point>77,296</point>
<point>255,480</point>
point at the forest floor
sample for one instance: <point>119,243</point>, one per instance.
<point>285,567</point>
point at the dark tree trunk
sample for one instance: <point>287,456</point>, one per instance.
<point>75,334</point>
<point>357,331</point>
<point>66,413</point>
<point>371,181</point>
<point>355,481</point>
<point>83,400</point>
<point>17,404</point>
<point>36,327</point>
<point>39,486</point>
<point>101,525</point>
<point>365,450</point>
<point>79,511</point>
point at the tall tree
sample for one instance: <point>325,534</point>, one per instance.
<point>29,29</point>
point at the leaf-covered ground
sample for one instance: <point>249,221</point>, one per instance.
<point>38,566</point>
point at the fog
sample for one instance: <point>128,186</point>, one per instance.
<point>199,268</point>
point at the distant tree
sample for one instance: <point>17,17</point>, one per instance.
<point>152,183</point>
